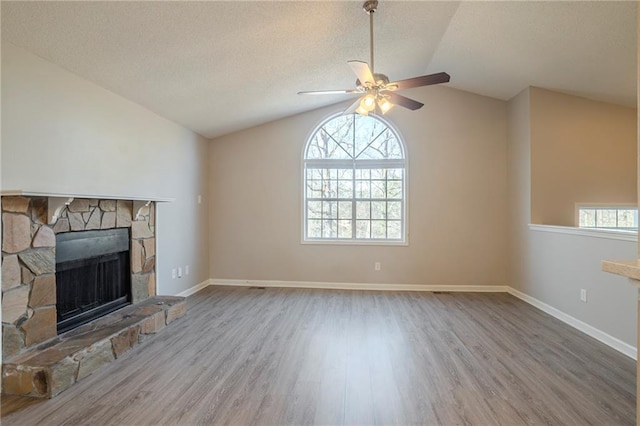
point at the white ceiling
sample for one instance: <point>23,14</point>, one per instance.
<point>216,67</point>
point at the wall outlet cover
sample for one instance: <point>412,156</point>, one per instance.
<point>583,295</point>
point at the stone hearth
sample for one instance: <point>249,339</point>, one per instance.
<point>54,366</point>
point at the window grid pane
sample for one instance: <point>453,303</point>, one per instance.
<point>608,217</point>
<point>357,199</point>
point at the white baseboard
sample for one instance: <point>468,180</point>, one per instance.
<point>196,288</point>
<point>359,286</point>
<point>597,334</point>
<point>587,329</point>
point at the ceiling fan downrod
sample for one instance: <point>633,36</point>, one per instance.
<point>370,7</point>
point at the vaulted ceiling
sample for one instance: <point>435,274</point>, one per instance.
<point>217,67</point>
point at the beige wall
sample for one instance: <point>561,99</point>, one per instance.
<point>456,149</point>
<point>519,186</point>
<point>63,134</point>
<point>582,151</point>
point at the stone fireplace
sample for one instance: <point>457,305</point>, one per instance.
<point>29,231</point>
<point>67,260</point>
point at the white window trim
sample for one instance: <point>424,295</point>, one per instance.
<point>354,242</point>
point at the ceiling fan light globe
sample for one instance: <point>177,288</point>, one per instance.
<point>368,103</point>
<point>384,105</point>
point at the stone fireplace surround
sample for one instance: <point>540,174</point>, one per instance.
<point>29,226</point>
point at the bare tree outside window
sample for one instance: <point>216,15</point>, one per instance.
<point>354,180</point>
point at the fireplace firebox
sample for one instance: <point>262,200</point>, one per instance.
<point>93,276</point>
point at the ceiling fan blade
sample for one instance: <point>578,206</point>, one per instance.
<point>404,101</point>
<point>425,80</point>
<point>362,71</point>
<point>330,92</point>
<point>352,108</point>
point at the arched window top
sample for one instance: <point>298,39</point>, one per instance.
<point>354,137</point>
<point>354,170</point>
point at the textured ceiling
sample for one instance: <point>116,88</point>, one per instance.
<point>582,48</point>
<point>217,67</point>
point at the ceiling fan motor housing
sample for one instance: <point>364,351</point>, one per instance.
<point>370,6</point>
<point>381,80</point>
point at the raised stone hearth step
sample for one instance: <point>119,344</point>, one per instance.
<point>55,365</point>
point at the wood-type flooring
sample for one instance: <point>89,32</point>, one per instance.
<point>250,356</point>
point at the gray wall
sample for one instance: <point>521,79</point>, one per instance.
<point>63,134</point>
<point>562,264</point>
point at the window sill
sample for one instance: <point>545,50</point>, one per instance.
<point>354,243</point>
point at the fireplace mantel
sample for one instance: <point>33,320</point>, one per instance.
<point>28,193</point>
<point>58,201</point>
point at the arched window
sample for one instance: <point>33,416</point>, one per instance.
<point>354,181</point>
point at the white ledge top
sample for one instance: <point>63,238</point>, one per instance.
<point>626,268</point>
<point>611,234</point>
<point>21,192</point>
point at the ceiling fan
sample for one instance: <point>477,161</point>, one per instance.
<point>375,89</point>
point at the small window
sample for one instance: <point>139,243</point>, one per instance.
<point>354,182</point>
<point>608,217</point>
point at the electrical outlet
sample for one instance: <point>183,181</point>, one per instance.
<point>186,270</point>
<point>583,295</point>
<point>199,199</point>
<point>376,266</point>
<point>180,272</point>
<point>174,274</point>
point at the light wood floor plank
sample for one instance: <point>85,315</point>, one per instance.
<point>330,357</point>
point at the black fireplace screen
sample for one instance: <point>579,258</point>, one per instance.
<point>93,275</point>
